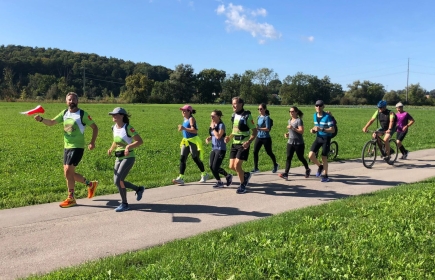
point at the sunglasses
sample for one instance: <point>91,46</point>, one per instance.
<point>291,111</point>
<point>259,109</point>
<point>212,116</point>
<point>319,105</point>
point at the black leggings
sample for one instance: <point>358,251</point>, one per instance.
<point>216,158</point>
<point>192,149</point>
<point>267,142</point>
<point>300,150</point>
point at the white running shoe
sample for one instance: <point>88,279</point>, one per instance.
<point>204,178</point>
<point>178,181</point>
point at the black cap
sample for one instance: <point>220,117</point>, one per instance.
<point>319,102</point>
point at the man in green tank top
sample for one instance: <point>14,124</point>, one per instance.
<point>74,121</point>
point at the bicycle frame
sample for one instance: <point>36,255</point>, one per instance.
<point>371,147</point>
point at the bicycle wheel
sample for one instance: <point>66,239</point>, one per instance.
<point>394,151</point>
<point>368,154</point>
<point>333,150</point>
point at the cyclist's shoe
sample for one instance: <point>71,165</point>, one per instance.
<point>284,176</point>
<point>319,171</point>
<point>255,170</point>
<point>246,178</point>
<point>241,189</point>
<point>307,173</point>
<point>405,155</point>
<point>92,188</point>
<point>139,193</point>
<point>275,168</point>
<point>324,179</point>
<point>122,207</point>
<point>229,179</point>
<point>387,160</point>
<point>178,181</point>
<point>69,202</point>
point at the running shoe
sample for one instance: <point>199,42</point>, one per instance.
<point>92,188</point>
<point>307,173</point>
<point>241,189</point>
<point>218,184</point>
<point>246,178</point>
<point>229,178</point>
<point>405,155</point>
<point>284,176</point>
<point>69,202</point>
<point>324,179</point>
<point>204,178</point>
<point>178,181</point>
<point>275,168</point>
<point>122,207</point>
<point>139,193</point>
<point>255,170</point>
<point>319,171</point>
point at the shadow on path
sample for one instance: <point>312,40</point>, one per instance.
<point>183,209</point>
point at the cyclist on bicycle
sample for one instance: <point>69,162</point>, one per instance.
<point>387,121</point>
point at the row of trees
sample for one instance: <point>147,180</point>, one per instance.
<point>39,73</point>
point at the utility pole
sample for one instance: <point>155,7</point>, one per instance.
<point>84,81</point>
<point>407,80</point>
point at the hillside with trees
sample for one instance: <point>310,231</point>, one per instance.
<point>48,74</point>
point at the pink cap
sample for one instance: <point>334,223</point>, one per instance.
<point>186,108</point>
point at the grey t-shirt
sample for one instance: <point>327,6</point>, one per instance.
<point>295,138</point>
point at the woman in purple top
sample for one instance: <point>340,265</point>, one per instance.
<point>404,121</point>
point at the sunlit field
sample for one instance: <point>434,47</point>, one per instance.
<point>32,152</point>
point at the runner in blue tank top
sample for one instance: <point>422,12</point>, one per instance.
<point>190,143</point>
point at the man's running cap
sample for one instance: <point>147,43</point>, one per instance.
<point>319,102</point>
<point>187,107</point>
<point>399,104</point>
<point>118,110</point>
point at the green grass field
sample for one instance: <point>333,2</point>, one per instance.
<point>32,152</point>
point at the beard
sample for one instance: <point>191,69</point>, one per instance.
<point>72,105</point>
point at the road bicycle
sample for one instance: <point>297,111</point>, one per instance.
<point>376,146</point>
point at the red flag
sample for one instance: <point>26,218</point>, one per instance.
<point>37,110</point>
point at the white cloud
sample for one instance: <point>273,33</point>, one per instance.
<point>308,38</point>
<point>239,18</point>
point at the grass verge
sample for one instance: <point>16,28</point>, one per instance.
<point>388,234</point>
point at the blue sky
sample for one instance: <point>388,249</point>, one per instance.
<point>346,40</point>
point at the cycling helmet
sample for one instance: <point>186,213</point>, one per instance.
<point>382,104</point>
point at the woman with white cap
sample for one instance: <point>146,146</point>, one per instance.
<point>125,139</point>
<point>190,143</point>
<point>404,121</point>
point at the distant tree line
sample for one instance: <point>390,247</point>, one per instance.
<point>48,74</point>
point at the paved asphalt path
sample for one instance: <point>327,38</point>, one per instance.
<point>38,239</point>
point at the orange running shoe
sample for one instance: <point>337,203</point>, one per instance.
<point>92,188</point>
<point>69,202</point>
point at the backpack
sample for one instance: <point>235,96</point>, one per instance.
<point>388,112</point>
<point>242,124</point>
<point>334,123</point>
<point>271,121</point>
<point>82,113</point>
<point>125,127</point>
